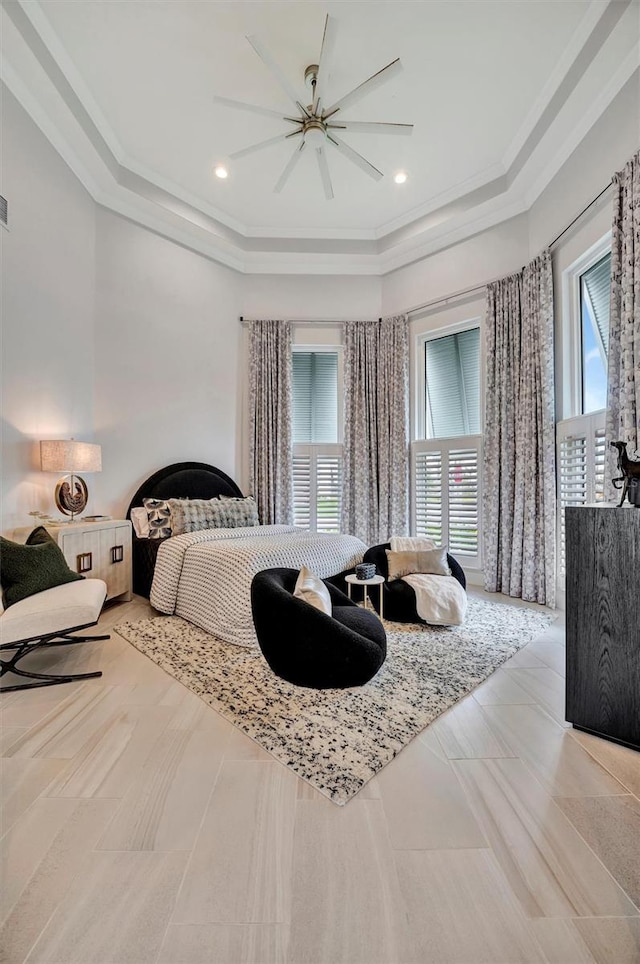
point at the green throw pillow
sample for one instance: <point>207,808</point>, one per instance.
<point>34,567</point>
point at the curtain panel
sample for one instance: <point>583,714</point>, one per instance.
<point>519,481</point>
<point>623,388</point>
<point>376,415</point>
<point>270,380</point>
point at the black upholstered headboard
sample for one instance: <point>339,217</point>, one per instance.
<point>185,480</point>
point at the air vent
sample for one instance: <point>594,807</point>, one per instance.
<point>4,211</point>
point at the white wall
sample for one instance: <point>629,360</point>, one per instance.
<point>310,297</point>
<point>491,254</point>
<point>47,312</point>
<point>167,370</point>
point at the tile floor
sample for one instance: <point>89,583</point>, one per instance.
<point>139,826</point>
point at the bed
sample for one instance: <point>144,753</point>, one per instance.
<point>205,576</point>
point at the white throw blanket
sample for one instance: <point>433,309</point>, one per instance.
<point>440,600</point>
<point>205,576</point>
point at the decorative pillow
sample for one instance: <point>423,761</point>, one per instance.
<point>140,522</point>
<point>227,513</point>
<point>191,515</point>
<point>406,563</point>
<point>159,516</point>
<point>240,511</point>
<point>32,568</point>
<point>312,590</point>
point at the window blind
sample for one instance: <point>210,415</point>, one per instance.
<point>597,282</point>
<point>452,377</point>
<point>315,397</point>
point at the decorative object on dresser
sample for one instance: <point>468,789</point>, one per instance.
<point>338,739</point>
<point>182,480</point>
<point>309,647</point>
<point>630,477</point>
<point>67,455</point>
<point>603,621</point>
<point>100,550</point>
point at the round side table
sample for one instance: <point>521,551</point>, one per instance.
<point>352,580</point>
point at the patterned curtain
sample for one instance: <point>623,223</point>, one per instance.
<point>270,420</point>
<point>519,481</point>
<point>623,391</point>
<point>376,409</point>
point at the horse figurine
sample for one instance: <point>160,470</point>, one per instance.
<point>630,472</point>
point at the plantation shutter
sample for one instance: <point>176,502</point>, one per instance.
<point>446,479</point>
<point>463,501</point>
<point>302,491</point>
<point>428,495</point>
<point>581,449</point>
<point>329,492</point>
<point>597,281</point>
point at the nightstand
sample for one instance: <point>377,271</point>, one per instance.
<point>97,550</point>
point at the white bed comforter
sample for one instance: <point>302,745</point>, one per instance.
<point>205,576</point>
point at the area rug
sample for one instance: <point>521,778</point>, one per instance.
<point>338,740</point>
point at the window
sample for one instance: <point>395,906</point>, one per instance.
<point>595,289</point>
<point>317,452</point>
<point>580,435</point>
<point>446,464</point>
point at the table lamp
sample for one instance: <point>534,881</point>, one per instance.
<point>67,455</point>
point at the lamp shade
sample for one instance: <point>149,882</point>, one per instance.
<point>67,455</point>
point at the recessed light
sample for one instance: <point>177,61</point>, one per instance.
<point>400,177</point>
<point>221,171</point>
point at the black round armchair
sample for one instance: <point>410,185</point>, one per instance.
<point>307,647</point>
<point>399,597</point>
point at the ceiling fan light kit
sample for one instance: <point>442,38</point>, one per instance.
<point>317,127</point>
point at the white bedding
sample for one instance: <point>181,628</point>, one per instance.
<point>205,576</point>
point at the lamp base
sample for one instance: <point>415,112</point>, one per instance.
<point>71,495</point>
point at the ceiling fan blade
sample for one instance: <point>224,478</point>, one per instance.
<point>324,173</point>
<point>258,147</point>
<point>268,60</point>
<point>326,56</point>
<point>291,163</point>
<point>373,127</point>
<point>356,158</point>
<point>254,109</point>
<point>366,87</point>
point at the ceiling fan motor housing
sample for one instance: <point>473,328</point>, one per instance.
<point>315,132</point>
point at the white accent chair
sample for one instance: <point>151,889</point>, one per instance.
<point>46,619</point>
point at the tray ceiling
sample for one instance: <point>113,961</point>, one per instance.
<point>497,92</point>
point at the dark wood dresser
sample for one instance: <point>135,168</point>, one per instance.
<point>603,621</point>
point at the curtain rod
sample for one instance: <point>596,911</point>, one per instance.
<point>584,211</point>
<point>456,294</point>
<point>311,321</point>
<point>467,291</point>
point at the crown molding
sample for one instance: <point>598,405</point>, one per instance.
<point>84,139</point>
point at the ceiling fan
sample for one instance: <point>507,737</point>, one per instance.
<point>316,127</point>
